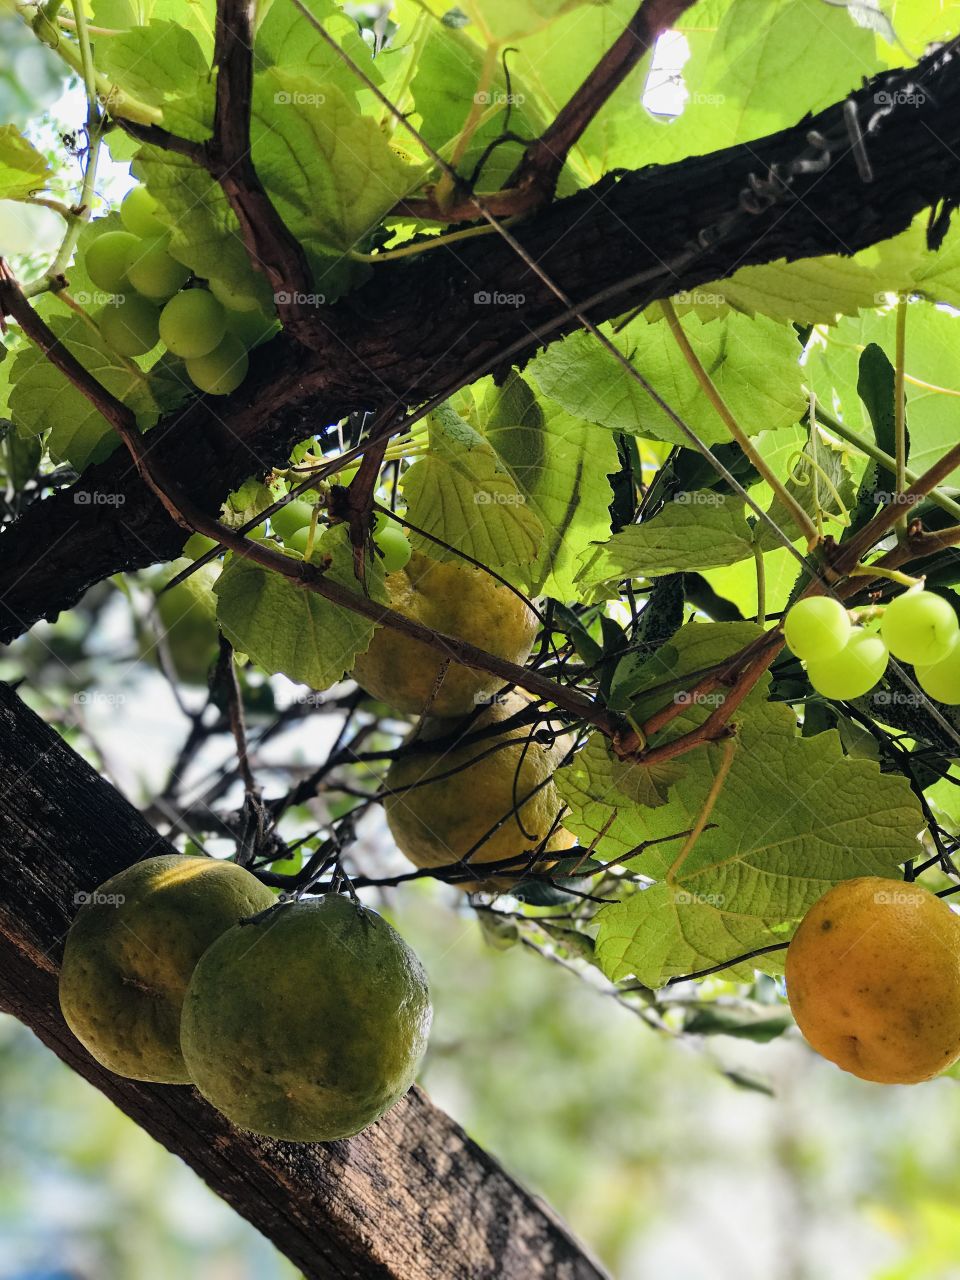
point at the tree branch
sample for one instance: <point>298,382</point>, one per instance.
<point>416,330</point>
<point>410,1199</point>
<point>272,248</point>
<point>535,177</point>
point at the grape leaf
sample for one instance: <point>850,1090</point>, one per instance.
<point>285,39</point>
<point>753,363</point>
<point>561,465</point>
<point>154,62</point>
<point>41,398</point>
<point>287,629</point>
<point>462,494</point>
<point>330,171</point>
<point>449,74</point>
<point>23,170</point>
<point>702,530</point>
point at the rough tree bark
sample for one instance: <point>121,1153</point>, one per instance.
<point>415,330</point>
<point>412,1198</point>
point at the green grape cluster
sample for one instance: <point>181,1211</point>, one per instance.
<point>206,323</point>
<point>845,661</point>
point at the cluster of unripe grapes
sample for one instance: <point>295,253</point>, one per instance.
<point>844,660</point>
<point>210,327</point>
<point>292,523</point>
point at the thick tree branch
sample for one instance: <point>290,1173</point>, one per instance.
<point>410,1199</point>
<point>187,514</point>
<point>424,324</point>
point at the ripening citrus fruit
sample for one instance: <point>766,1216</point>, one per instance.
<point>475,801</point>
<point>460,601</point>
<point>873,979</point>
<point>130,953</point>
<point>308,1024</point>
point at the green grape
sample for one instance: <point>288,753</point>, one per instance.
<point>251,327</point>
<point>154,272</point>
<point>107,259</point>
<point>197,545</point>
<point>222,369</point>
<point>395,547</point>
<point>192,324</point>
<point>919,627</point>
<point>295,515</point>
<point>130,327</point>
<point>138,213</point>
<point>231,298</point>
<point>941,680</point>
<point>817,627</point>
<point>298,541</point>
<point>854,670</point>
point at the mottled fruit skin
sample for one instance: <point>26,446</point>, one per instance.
<point>873,979</point>
<point>459,600</point>
<point>132,949</point>
<point>437,816</point>
<point>309,1024</point>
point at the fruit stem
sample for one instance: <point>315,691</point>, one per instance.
<point>874,571</point>
<point>726,760</point>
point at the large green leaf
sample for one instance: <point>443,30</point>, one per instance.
<point>462,494</point>
<point>286,39</point>
<point>753,363</point>
<point>329,170</point>
<point>702,530</point>
<point>23,170</point>
<point>932,367</point>
<point>287,629</point>
<point>154,62</point>
<point>561,465</point>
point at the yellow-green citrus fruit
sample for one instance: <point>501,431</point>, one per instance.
<point>188,615</point>
<point>873,979</point>
<point>308,1024</point>
<point>132,949</point>
<point>460,601</point>
<point>441,803</point>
